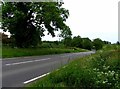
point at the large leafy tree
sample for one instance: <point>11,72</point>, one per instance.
<point>66,32</point>
<point>77,42</point>
<point>67,41</point>
<point>27,21</point>
<point>98,43</point>
<point>87,43</point>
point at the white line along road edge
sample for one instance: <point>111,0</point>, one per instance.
<point>26,62</point>
<point>31,80</point>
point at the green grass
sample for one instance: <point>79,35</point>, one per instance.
<point>8,52</point>
<point>0,50</point>
<point>98,71</point>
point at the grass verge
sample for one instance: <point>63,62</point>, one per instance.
<point>8,52</point>
<point>98,71</point>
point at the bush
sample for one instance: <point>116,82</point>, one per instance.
<point>98,43</point>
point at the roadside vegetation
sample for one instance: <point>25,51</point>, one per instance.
<point>8,52</point>
<point>66,45</point>
<point>98,71</point>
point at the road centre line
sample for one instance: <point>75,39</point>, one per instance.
<point>31,80</point>
<point>27,62</point>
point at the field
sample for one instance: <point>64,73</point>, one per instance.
<point>8,52</point>
<point>98,71</point>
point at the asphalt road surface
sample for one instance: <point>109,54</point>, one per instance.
<point>16,72</point>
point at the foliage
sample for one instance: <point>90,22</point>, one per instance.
<point>106,42</point>
<point>77,42</point>
<point>3,37</point>
<point>27,21</point>
<point>66,32</point>
<point>6,40</point>
<point>107,71</point>
<point>99,71</point>
<point>67,41</point>
<point>84,43</point>
<point>52,44</point>
<point>87,43</point>
<point>118,43</point>
<point>19,52</point>
<point>98,43</point>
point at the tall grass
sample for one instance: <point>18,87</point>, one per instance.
<point>98,71</point>
<point>18,52</point>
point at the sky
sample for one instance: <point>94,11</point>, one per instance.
<point>92,18</point>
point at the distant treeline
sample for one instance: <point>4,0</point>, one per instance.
<point>76,41</point>
<point>85,43</point>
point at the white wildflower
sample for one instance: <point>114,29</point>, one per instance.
<point>104,82</point>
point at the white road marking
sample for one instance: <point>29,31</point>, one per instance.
<point>31,80</point>
<point>18,57</point>
<point>26,62</point>
<point>9,58</point>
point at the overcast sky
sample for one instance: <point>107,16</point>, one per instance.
<point>92,18</point>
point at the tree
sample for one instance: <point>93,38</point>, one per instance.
<point>106,42</point>
<point>66,32</point>
<point>118,43</point>
<point>5,40</point>
<point>98,43</point>
<point>67,41</point>
<point>27,21</point>
<point>87,43</point>
<point>77,42</point>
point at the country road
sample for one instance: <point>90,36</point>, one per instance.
<point>16,72</point>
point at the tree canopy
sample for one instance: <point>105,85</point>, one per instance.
<point>98,43</point>
<point>66,32</point>
<point>27,21</point>
<point>67,41</point>
<point>77,42</point>
<point>87,43</point>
